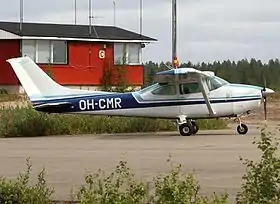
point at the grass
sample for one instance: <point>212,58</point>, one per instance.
<point>17,120</point>
<point>7,97</point>
<point>26,122</point>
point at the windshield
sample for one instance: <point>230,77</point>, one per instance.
<point>221,81</point>
<point>215,82</point>
<point>149,88</point>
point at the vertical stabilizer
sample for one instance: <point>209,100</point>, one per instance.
<point>37,84</point>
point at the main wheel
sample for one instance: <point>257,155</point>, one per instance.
<point>242,129</point>
<point>186,129</point>
<point>195,127</point>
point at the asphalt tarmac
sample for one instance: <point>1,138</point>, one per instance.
<point>213,155</point>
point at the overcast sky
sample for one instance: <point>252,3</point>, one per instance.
<point>208,30</point>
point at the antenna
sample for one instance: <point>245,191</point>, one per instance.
<point>21,16</point>
<point>90,16</point>
<point>75,11</point>
<point>174,32</point>
<point>114,4</point>
<point>141,16</point>
<point>20,25</point>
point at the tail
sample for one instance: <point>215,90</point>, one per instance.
<point>37,84</point>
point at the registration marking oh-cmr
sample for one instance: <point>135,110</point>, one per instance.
<point>101,104</point>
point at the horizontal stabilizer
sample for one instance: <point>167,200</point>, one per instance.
<point>53,107</point>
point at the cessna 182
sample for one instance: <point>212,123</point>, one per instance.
<point>183,94</point>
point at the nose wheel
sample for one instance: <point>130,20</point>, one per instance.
<point>242,129</point>
<point>189,128</point>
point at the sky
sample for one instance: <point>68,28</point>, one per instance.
<point>207,30</point>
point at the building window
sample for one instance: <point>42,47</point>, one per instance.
<point>45,51</point>
<point>29,49</point>
<point>59,52</point>
<point>127,53</point>
<point>119,55</point>
<point>134,53</point>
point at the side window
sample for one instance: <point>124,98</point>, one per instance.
<point>165,90</point>
<point>189,88</point>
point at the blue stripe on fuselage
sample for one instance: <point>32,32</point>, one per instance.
<point>127,101</point>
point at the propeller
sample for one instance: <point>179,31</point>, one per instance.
<point>264,100</point>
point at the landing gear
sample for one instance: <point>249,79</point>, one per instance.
<point>188,128</point>
<point>195,127</point>
<point>242,128</point>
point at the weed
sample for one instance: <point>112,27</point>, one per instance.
<point>121,187</point>
<point>262,181</point>
<point>21,192</point>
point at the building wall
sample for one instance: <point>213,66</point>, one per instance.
<point>8,49</point>
<point>86,67</point>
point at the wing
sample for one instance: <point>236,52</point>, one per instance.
<point>181,74</point>
<point>187,75</point>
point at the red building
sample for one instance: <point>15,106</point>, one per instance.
<point>76,55</point>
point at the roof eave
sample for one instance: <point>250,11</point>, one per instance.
<point>87,39</point>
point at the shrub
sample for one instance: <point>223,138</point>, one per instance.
<point>118,187</point>
<point>21,192</point>
<point>121,187</point>
<point>262,181</point>
<point>178,187</point>
<point>25,121</point>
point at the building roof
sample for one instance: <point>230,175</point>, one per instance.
<point>72,32</point>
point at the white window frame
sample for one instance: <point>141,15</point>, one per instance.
<point>126,48</point>
<point>51,53</point>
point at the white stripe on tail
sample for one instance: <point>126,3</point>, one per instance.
<point>37,84</point>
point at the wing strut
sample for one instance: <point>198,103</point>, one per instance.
<point>203,89</point>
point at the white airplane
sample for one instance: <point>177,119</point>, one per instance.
<point>183,94</point>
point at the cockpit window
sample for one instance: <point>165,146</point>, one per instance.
<point>169,89</point>
<point>188,88</point>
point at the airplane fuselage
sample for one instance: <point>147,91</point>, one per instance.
<point>229,100</point>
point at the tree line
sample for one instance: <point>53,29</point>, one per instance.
<point>245,71</point>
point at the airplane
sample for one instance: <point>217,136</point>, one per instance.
<point>182,94</point>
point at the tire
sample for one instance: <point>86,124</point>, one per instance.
<point>186,129</point>
<point>242,129</point>
<point>195,127</point>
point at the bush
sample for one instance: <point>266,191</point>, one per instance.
<point>121,187</point>
<point>21,192</point>
<point>25,121</point>
<point>177,187</point>
<point>118,187</point>
<point>262,181</point>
